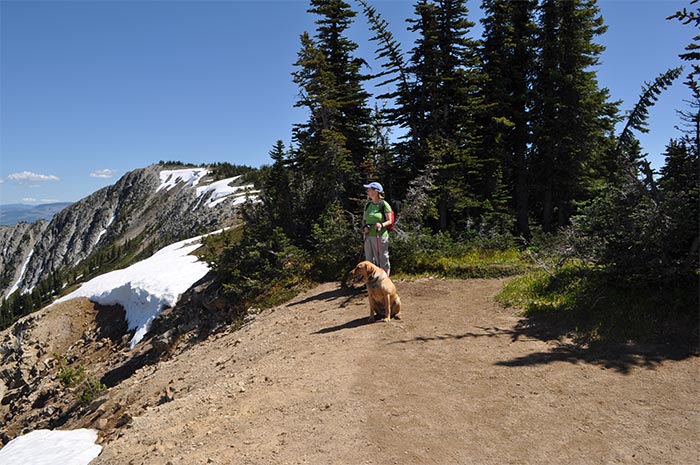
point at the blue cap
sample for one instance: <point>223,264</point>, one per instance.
<point>374,185</point>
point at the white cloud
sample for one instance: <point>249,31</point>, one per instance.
<point>35,200</point>
<point>27,176</point>
<point>103,174</point>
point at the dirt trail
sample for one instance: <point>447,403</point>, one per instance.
<point>457,381</point>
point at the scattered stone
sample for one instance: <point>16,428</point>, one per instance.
<point>123,421</point>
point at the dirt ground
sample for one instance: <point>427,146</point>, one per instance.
<point>460,380</point>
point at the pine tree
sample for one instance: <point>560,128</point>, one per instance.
<point>333,146</point>
<point>278,195</point>
<point>509,65</point>
<point>441,106</point>
<point>573,118</point>
<point>691,118</point>
<point>692,53</point>
<point>396,111</point>
<point>680,201</point>
<point>627,151</point>
<point>421,98</point>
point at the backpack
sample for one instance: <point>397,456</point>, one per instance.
<point>389,215</point>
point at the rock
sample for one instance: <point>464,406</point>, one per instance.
<point>123,420</point>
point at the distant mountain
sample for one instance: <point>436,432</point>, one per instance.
<point>17,212</point>
<point>143,211</point>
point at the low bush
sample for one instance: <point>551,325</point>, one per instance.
<point>79,379</point>
<point>262,270</point>
<point>440,255</point>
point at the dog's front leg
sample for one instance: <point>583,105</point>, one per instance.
<point>371,309</point>
<point>387,306</point>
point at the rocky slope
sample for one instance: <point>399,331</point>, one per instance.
<point>145,208</point>
<point>17,246</point>
<point>458,380</point>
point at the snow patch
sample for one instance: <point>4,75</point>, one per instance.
<point>218,191</point>
<point>45,447</point>
<point>104,231</point>
<point>210,195</point>
<point>171,178</point>
<point>21,273</point>
<point>146,288</point>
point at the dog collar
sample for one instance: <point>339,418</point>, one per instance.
<point>374,282</point>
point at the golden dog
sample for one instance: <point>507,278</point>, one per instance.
<point>381,290</point>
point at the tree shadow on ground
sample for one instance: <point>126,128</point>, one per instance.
<point>485,332</point>
<point>618,357</point>
<point>348,294</point>
<point>621,356</point>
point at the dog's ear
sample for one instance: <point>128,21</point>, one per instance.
<point>349,280</point>
<point>364,268</point>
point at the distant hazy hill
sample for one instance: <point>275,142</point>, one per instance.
<point>14,213</point>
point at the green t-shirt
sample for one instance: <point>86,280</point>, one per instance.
<point>374,213</point>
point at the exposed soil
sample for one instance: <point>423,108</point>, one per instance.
<point>459,380</point>
<point>456,381</point>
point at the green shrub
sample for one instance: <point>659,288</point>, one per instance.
<point>264,270</point>
<point>80,379</point>
<point>72,376</point>
<point>91,390</point>
<point>335,245</point>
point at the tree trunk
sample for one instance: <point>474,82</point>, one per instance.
<point>442,209</point>
<point>547,208</point>
<point>521,205</point>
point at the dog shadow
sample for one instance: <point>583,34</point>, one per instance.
<point>356,323</point>
<point>347,294</point>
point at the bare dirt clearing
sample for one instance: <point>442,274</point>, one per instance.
<point>460,380</point>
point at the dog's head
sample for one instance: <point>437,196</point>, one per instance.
<point>361,272</point>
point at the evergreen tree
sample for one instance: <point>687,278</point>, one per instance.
<point>692,53</point>
<point>397,112</point>
<point>333,145</point>
<point>679,188</point>
<point>441,106</point>
<point>691,118</point>
<point>627,151</point>
<point>380,165</point>
<point>509,65</point>
<point>573,118</point>
<point>422,99</point>
<point>277,193</point>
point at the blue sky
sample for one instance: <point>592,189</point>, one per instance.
<point>92,89</point>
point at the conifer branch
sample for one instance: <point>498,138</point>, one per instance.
<point>637,118</point>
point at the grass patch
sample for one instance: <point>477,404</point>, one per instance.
<point>588,306</point>
<point>472,263</point>
<point>215,244</point>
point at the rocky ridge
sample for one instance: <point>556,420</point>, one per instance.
<point>133,209</point>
